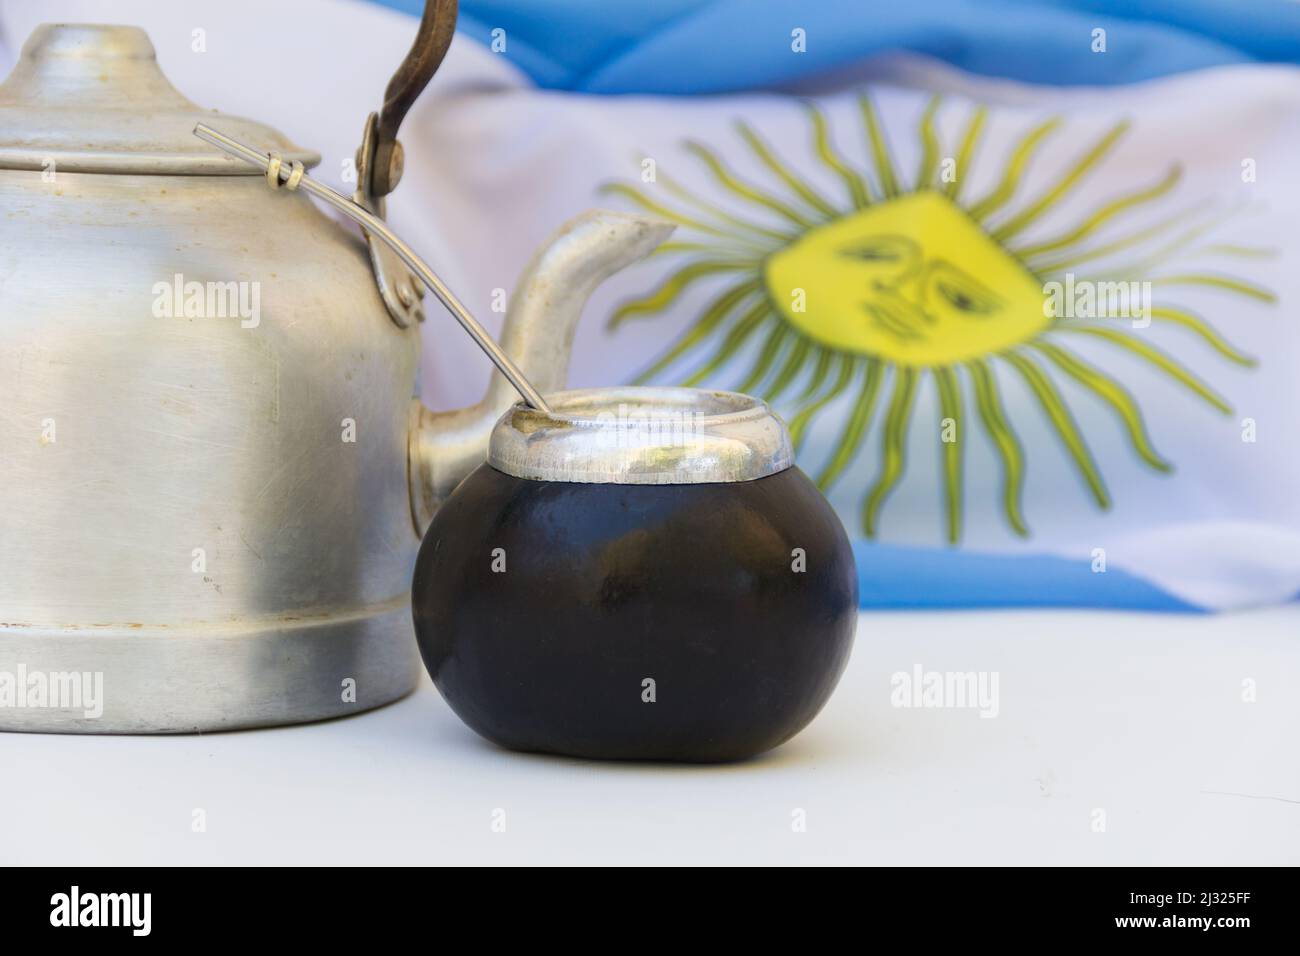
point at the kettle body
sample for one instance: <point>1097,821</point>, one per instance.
<point>219,493</point>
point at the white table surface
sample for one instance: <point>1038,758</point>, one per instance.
<point>1138,715</point>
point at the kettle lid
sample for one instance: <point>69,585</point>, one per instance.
<point>91,98</point>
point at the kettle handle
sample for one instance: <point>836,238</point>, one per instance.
<point>437,27</point>
<point>380,157</point>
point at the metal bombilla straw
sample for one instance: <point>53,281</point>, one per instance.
<point>293,177</point>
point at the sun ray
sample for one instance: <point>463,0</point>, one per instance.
<point>879,148</point>
<point>794,364</point>
<point>713,315</point>
<point>1226,283</point>
<point>805,414</point>
<point>1056,267</point>
<point>1003,192</point>
<point>929,145</point>
<point>1234,249</point>
<point>1198,326</point>
<point>739,333</point>
<point>1062,422</point>
<point>673,286</point>
<point>681,192</point>
<point>857,186</point>
<point>728,180</point>
<point>1081,168</point>
<point>1004,440</point>
<point>950,408</point>
<point>849,442</point>
<point>1205,331</point>
<point>1166,252</point>
<point>766,357</point>
<point>801,187</point>
<point>674,248</point>
<point>1113,394</point>
<point>821,369</point>
<point>1102,216</point>
<point>1157,358</point>
<point>659,209</point>
<point>966,151</point>
<point>893,447</point>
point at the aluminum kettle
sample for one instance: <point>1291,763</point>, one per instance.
<point>213,475</point>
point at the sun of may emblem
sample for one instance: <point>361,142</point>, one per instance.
<point>867,293</point>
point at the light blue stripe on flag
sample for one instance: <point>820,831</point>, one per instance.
<point>711,46</point>
<point>894,577</point>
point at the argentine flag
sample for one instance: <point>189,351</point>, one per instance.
<point>1021,277</point>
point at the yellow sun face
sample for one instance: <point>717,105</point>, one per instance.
<point>859,301</point>
<point>886,281</point>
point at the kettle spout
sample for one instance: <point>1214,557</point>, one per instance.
<point>443,447</point>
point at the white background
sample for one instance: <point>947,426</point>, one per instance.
<point>1138,715</point>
